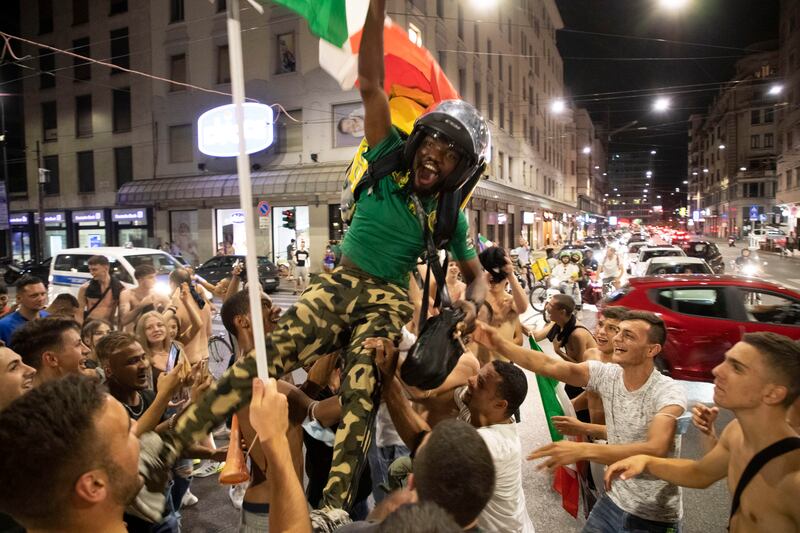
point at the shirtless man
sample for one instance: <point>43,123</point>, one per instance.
<point>759,380</point>
<point>455,287</point>
<point>571,340</point>
<point>133,303</point>
<point>193,310</point>
<point>99,297</point>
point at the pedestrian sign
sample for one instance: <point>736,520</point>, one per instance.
<point>753,212</point>
<point>263,208</point>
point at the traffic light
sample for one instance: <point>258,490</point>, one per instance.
<point>289,221</point>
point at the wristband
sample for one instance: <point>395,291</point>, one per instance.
<point>310,411</point>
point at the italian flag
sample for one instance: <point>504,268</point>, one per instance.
<point>330,20</point>
<point>555,402</point>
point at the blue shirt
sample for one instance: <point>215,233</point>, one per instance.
<point>11,323</point>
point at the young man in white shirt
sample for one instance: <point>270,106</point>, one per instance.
<point>641,408</point>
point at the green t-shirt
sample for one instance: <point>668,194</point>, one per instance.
<point>385,237</point>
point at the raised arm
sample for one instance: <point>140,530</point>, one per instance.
<point>377,119</point>
<point>576,374</point>
<point>82,302</point>
<point>699,474</point>
<point>520,298</point>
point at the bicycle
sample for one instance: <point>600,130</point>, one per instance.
<point>220,353</point>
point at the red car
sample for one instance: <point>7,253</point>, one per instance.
<point>706,315</point>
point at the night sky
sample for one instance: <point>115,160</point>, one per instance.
<point>731,26</point>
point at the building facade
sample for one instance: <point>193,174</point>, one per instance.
<point>733,151</point>
<point>591,174</point>
<point>122,149</point>
<point>788,165</point>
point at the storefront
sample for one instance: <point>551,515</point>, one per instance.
<point>23,237</point>
<point>230,232</point>
<point>132,227</point>
<point>90,228</point>
<point>55,232</point>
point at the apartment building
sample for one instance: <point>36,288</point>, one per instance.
<point>788,111</point>
<point>592,176</point>
<point>122,151</point>
<point>733,151</point>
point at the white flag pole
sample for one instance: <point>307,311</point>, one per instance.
<point>245,187</point>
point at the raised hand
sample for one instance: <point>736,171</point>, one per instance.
<point>625,469</point>
<point>269,410</point>
<point>703,418</point>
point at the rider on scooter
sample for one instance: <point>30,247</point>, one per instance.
<point>566,275</point>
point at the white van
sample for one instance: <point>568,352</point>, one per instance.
<point>69,268</point>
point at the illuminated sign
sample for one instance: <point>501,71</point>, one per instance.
<point>218,133</point>
<point>87,216</point>
<point>528,217</point>
<point>612,221</point>
<point>126,215</point>
<point>501,218</point>
<point>18,219</point>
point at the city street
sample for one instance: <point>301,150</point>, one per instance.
<point>704,510</point>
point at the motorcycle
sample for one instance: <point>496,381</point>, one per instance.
<point>752,268</point>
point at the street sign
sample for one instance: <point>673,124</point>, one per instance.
<point>218,134</point>
<point>263,208</point>
<point>263,222</point>
<point>753,212</point>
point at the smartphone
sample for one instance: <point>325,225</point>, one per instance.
<point>172,359</point>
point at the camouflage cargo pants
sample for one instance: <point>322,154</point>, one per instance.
<point>339,310</point>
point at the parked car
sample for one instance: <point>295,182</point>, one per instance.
<point>219,267</point>
<point>706,250</point>
<point>706,315</point>
<point>40,270</point>
<point>648,252</point>
<point>70,267</point>
<point>664,266</point>
<point>768,233</point>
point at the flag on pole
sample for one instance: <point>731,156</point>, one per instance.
<point>327,19</point>
<point>556,403</point>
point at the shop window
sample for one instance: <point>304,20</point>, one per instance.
<point>335,223</point>
<point>86,171</point>
<point>53,185</point>
<point>287,58</point>
<point>118,6</point>
<point>123,165</point>
<point>47,64</point>
<point>120,49</point>
<point>176,11</point>
<point>83,115</point>
<point>177,72</point>
<point>223,65</point>
<point>50,121</point>
<point>45,16</point>
<point>289,134</point>
<point>82,70</point>
<point>180,144</point>
<point>121,101</point>
<point>80,12</point>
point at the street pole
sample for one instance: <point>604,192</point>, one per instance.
<point>245,187</point>
<point>7,231</point>
<point>42,177</point>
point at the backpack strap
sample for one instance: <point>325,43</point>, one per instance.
<point>380,168</point>
<point>758,461</point>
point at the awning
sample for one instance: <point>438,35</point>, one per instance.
<point>492,190</point>
<point>306,179</point>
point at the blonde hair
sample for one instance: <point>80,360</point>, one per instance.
<point>141,335</point>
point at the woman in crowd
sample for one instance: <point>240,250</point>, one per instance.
<point>92,332</point>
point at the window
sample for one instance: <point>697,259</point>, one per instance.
<point>83,115</point>
<point>287,60</point>
<point>706,302</point>
<point>180,144</point>
<point>460,19</point>
<point>769,115</point>
<point>118,6</point>
<point>502,115</point>
<point>176,11</point>
<point>440,9</point>
<point>755,141</point>
<point>82,69</point>
<point>223,65</point>
<point>80,12</point>
<point>120,49</point>
<point>768,140</point>
<point>770,308</point>
<point>414,34</point>
<point>288,133</point>
<point>50,121</point>
<point>222,5</point>
<point>490,105</point>
<point>478,95</point>
<point>489,53</point>
<point>123,165</point>
<point>47,64</point>
<point>500,67</point>
<point>177,72</point>
<point>755,116</point>
<point>121,110</point>
<point>501,164</point>
<point>86,171</point>
<point>45,16</point>
<point>53,186</point>
<point>462,80</point>
<point>509,78</point>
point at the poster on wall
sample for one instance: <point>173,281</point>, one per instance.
<point>348,124</point>
<point>183,225</point>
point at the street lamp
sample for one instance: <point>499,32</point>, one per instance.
<point>587,150</point>
<point>685,182</point>
<point>743,169</point>
<point>558,106</point>
<point>659,106</point>
<point>674,5</point>
<point>652,152</point>
<point>721,146</point>
<point>776,89</point>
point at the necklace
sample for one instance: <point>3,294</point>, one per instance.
<point>133,413</point>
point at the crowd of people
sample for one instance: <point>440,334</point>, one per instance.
<point>106,399</point>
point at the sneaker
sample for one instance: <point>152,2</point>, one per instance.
<point>207,468</point>
<point>327,520</point>
<point>189,499</point>
<point>236,494</point>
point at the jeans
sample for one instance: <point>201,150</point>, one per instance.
<point>606,517</point>
<point>380,458</point>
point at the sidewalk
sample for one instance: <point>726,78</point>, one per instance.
<point>723,242</point>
